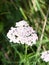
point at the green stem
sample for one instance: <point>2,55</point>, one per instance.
<point>22,11</point>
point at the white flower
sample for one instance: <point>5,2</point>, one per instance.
<point>22,23</point>
<point>22,33</point>
<point>45,56</point>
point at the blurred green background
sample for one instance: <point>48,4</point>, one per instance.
<point>12,11</point>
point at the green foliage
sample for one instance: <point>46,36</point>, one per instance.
<point>35,12</point>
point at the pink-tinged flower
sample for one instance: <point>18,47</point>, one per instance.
<point>45,56</point>
<point>22,24</point>
<point>22,33</point>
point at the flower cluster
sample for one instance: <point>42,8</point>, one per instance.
<point>45,56</point>
<point>22,33</point>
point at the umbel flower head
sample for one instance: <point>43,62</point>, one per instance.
<point>22,33</point>
<point>45,56</point>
